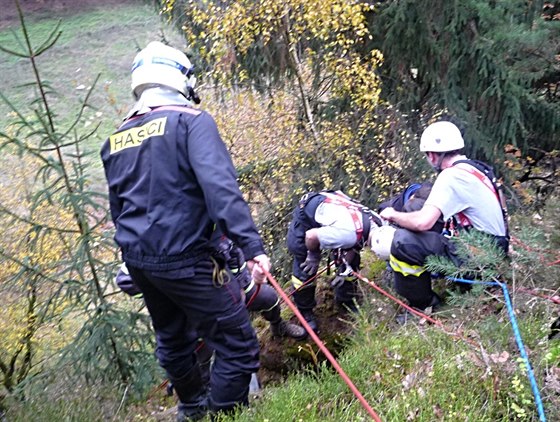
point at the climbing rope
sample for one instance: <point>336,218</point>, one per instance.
<point>554,298</point>
<point>515,328</point>
<point>518,339</point>
<point>323,348</point>
<point>308,281</point>
<point>417,312</point>
<point>517,242</point>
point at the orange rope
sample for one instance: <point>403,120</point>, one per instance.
<point>325,351</point>
<point>415,311</point>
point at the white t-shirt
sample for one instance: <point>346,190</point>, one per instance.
<point>338,229</point>
<point>457,190</point>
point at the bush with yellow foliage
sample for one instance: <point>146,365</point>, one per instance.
<point>294,87</point>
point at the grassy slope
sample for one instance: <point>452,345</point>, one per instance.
<point>411,373</point>
<point>101,41</point>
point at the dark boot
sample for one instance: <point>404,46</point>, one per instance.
<point>309,316</point>
<point>287,329</point>
<point>405,316</point>
<point>192,393</point>
<point>186,413</point>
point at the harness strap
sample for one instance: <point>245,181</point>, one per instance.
<point>480,176</point>
<point>359,217</point>
<point>489,183</point>
<point>367,219</point>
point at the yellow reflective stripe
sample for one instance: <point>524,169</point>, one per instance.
<point>250,286</point>
<point>134,137</point>
<point>234,271</point>
<point>405,268</point>
<point>296,282</point>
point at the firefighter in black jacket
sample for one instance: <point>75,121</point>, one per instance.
<point>171,182</point>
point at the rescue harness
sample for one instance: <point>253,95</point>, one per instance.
<point>362,216</point>
<point>486,175</point>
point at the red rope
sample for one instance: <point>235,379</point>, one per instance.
<point>516,241</point>
<point>414,311</point>
<point>253,297</point>
<point>535,293</point>
<point>400,302</point>
<point>325,351</point>
<point>308,281</point>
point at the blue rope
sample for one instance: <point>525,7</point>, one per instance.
<point>519,341</point>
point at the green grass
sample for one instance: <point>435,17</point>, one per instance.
<point>96,42</point>
<point>406,374</point>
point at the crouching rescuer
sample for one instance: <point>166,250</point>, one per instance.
<point>171,182</point>
<point>465,191</point>
<point>327,220</point>
<point>258,297</point>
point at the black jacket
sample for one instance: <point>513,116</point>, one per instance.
<point>171,181</point>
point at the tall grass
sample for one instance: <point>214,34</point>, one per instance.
<point>419,373</point>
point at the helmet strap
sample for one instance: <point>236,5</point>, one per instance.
<point>193,96</point>
<point>437,166</point>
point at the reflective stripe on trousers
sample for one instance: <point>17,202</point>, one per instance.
<point>296,282</point>
<point>405,268</point>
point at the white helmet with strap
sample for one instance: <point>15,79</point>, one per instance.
<point>441,137</point>
<point>161,65</point>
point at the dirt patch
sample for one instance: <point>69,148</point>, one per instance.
<point>282,356</point>
<point>38,9</point>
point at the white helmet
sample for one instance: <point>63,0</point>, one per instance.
<point>441,137</point>
<point>159,64</point>
<point>380,239</point>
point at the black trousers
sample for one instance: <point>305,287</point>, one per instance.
<point>264,299</point>
<point>305,297</point>
<point>409,251</point>
<point>186,305</point>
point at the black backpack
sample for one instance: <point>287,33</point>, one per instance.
<point>498,187</point>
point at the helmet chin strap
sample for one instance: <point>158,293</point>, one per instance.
<point>193,96</point>
<point>437,166</point>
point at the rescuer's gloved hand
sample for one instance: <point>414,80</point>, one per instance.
<point>337,281</point>
<point>259,266</point>
<point>311,264</point>
<point>344,273</point>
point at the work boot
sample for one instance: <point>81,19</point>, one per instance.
<point>405,316</point>
<point>435,302</point>
<point>287,329</point>
<point>192,394</point>
<point>309,316</point>
<point>188,413</point>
